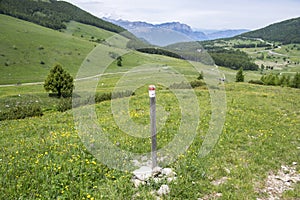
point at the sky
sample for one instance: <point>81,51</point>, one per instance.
<point>199,14</point>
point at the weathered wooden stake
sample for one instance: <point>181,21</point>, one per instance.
<point>153,124</point>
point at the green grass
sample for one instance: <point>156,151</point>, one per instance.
<point>16,90</point>
<point>231,74</point>
<point>106,84</point>
<point>28,51</point>
<point>44,158</point>
<point>87,32</point>
<point>24,46</point>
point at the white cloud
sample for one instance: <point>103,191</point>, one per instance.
<point>197,13</point>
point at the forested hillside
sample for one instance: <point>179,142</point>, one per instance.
<point>209,54</point>
<point>286,32</point>
<point>233,59</point>
<point>52,14</point>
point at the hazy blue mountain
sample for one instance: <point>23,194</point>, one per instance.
<point>225,33</point>
<point>172,32</point>
<point>161,34</point>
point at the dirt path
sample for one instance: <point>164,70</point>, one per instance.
<point>78,79</point>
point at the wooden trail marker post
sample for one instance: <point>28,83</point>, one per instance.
<point>153,124</point>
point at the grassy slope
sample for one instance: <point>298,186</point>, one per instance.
<point>286,32</point>
<point>53,14</point>
<point>44,158</point>
<point>106,83</point>
<point>86,31</point>
<point>21,44</point>
<point>63,47</point>
<point>24,45</point>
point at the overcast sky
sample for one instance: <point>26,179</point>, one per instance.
<point>205,14</point>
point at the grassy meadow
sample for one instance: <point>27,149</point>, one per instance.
<point>44,157</point>
<point>29,51</point>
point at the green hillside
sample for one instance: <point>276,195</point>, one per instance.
<point>44,157</point>
<point>286,32</point>
<point>28,51</point>
<point>52,14</point>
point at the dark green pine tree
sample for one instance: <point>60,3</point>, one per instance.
<point>296,81</point>
<point>119,61</point>
<point>201,76</point>
<point>240,76</point>
<point>59,81</point>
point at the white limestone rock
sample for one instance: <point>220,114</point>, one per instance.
<point>168,172</point>
<point>137,182</point>
<point>143,173</point>
<point>163,190</point>
<point>156,171</point>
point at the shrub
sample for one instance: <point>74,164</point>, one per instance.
<point>197,83</point>
<point>201,76</point>
<point>285,81</point>
<point>185,85</point>
<point>41,47</point>
<point>122,94</point>
<point>115,95</point>
<point>64,105</point>
<point>275,79</point>
<point>258,82</point>
<point>119,61</point>
<point>296,81</point>
<point>67,103</point>
<point>282,80</point>
<point>102,97</point>
<point>182,85</point>
<point>21,111</point>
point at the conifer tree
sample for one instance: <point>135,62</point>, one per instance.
<point>296,81</point>
<point>240,76</point>
<point>59,81</point>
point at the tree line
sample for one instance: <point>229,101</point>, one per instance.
<point>279,80</point>
<point>233,59</point>
<point>252,45</point>
<point>159,51</point>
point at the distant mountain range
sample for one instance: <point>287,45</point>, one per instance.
<point>172,32</point>
<point>54,14</point>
